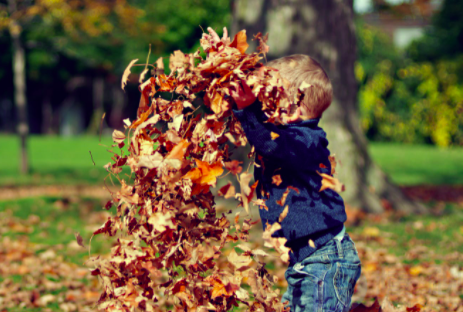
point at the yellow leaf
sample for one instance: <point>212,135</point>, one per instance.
<point>311,243</point>
<point>416,270</point>
<point>371,232</point>
<point>274,135</point>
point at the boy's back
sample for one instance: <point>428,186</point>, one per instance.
<point>293,159</point>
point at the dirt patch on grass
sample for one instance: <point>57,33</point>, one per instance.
<point>96,191</point>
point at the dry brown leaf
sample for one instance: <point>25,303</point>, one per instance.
<point>118,136</point>
<point>227,191</point>
<point>125,75</point>
<point>79,239</point>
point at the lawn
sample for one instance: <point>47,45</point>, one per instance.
<point>419,164</point>
<point>58,160</point>
<point>55,160</point>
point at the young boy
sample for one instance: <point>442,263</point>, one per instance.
<point>324,264</point>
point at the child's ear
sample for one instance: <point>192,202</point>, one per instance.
<point>294,117</point>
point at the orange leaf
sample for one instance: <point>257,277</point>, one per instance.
<point>240,41</point>
<point>205,174</point>
<point>329,182</point>
<point>178,152</point>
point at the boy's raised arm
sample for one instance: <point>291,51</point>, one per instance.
<point>286,144</point>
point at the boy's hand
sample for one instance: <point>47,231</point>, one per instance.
<point>242,95</point>
<point>214,38</point>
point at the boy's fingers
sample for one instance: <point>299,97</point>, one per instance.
<point>225,33</point>
<point>213,34</point>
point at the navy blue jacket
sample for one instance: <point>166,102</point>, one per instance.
<point>296,155</point>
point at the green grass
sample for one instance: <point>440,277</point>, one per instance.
<point>59,160</point>
<point>419,164</point>
<point>55,160</point>
<point>57,223</point>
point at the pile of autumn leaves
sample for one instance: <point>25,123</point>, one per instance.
<point>170,235</point>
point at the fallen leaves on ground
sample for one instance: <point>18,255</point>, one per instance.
<point>35,275</point>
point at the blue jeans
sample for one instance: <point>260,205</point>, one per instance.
<point>325,280</point>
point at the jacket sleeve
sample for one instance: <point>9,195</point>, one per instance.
<point>290,145</point>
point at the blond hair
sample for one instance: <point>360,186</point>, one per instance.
<point>298,69</point>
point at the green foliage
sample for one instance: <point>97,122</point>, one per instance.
<point>445,38</point>
<point>407,101</point>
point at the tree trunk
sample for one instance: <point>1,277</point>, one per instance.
<point>98,100</point>
<point>19,78</point>
<point>325,30</point>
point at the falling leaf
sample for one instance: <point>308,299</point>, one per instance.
<point>329,182</point>
<point>240,41</point>
<point>238,261</point>
<point>227,191</point>
<point>283,214</point>
<point>233,166</point>
<point>118,136</point>
<point>276,242</point>
<point>282,200</point>
<point>311,243</point>
<point>333,164</point>
<point>274,135</point>
<point>125,75</point>
<point>263,47</point>
<point>79,239</point>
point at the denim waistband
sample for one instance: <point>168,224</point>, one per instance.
<point>336,246</point>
